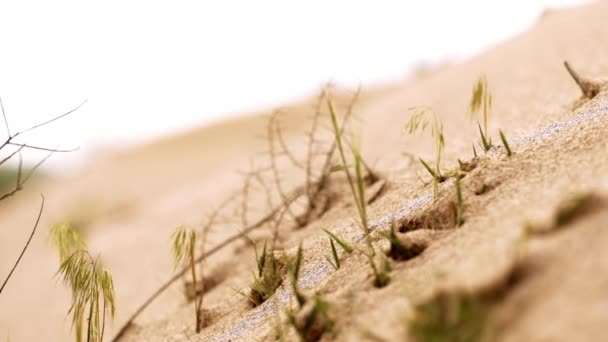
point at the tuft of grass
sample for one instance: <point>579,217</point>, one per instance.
<point>459,208</point>
<point>398,251</point>
<point>418,122</point>
<point>311,320</point>
<point>90,282</point>
<point>267,280</point>
<point>450,317</point>
<point>505,142</point>
<point>184,247</point>
<point>481,101</point>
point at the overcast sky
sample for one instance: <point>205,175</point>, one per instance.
<point>149,68</point>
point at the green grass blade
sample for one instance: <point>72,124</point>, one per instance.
<point>459,203</point>
<point>335,253</point>
<point>345,246</point>
<point>505,142</point>
<point>428,168</point>
<point>485,141</point>
<point>338,138</point>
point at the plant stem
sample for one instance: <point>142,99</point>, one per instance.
<point>197,302</point>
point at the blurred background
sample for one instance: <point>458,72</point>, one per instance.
<point>151,68</point>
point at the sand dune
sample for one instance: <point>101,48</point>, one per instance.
<point>132,201</point>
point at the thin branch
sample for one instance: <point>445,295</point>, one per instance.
<point>39,148</point>
<point>51,120</point>
<point>26,245</point>
<point>245,199</point>
<point>284,147</point>
<point>20,181</point>
<point>273,164</point>
<point>8,130</point>
<point>310,149</point>
<point>11,155</point>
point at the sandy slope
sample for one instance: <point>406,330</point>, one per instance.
<point>134,200</point>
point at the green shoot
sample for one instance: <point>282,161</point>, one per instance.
<point>91,284</point>
<point>184,248</point>
<point>311,320</point>
<point>381,269</point>
<point>505,142</point>
<point>459,210</point>
<point>481,100</point>
<point>267,280</point>
<point>345,245</point>
<point>294,270</point>
<point>336,263</point>
<point>398,251</point>
<point>261,260</point>
<point>357,185</point>
<point>418,122</point>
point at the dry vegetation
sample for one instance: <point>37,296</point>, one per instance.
<point>319,243</point>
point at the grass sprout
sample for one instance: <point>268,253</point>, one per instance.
<point>420,120</point>
<point>340,241</point>
<point>184,248</point>
<point>399,251</point>
<point>356,181</point>
<point>505,142</point>
<point>336,263</point>
<point>381,268</point>
<point>345,245</point>
<point>90,282</point>
<point>481,101</point>
<point>294,271</point>
<point>267,279</point>
<point>459,208</point>
<point>311,319</point>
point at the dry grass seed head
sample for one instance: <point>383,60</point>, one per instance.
<point>88,280</point>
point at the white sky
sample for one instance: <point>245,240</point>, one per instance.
<point>149,68</point>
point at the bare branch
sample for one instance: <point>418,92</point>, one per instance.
<point>51,120</point>
<point>26,245</point>
<point>284,147</point>
<point>273,164</point>
<point>20,181</point>
<point>11,155</point>
<point>8,130</point>
<point>39,148</point>
<point>311,141</point>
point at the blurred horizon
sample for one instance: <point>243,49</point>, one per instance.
<point>150,70</point>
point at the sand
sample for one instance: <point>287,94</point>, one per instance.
<point>132,202</point>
